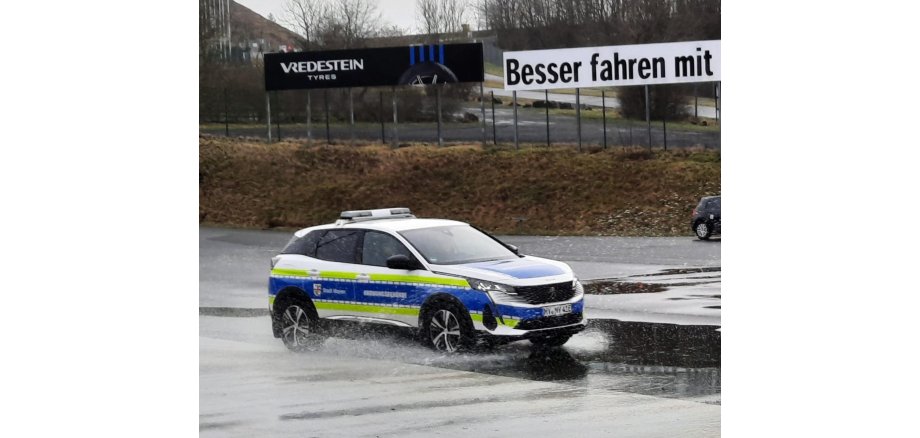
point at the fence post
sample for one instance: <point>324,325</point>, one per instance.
<point>226,116</point>
<point>514,105</point>
<point>648,118</point>
<point>664,128</point>
<point>437,98</point>
<point>278,118</point>
<point>604,115</point>
<point>696,102</point>
<point>351,115</point>
<point>326,104</point>
<point>383,133</point>
<point>578,115</point>
<point>309,117</point>
<point>268,115</point>
<point>395,122</point>
<point>718,98</point>
<point>546,102</point>
<point>492,99</point>
<point>482,106</point>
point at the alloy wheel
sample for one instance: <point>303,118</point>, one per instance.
<point>444,331</point>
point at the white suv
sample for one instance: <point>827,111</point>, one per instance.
<point>451,281</point>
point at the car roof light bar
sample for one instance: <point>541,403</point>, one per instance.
<point>369,215</point>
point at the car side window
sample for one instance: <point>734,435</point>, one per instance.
<point>378,247</point>
<point>305,245</point>
<point>338,246</point>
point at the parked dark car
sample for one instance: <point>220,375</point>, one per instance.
<point>707,217</point>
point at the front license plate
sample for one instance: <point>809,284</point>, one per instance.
<point>557,310</point>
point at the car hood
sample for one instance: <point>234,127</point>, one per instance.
<point>522,271</point>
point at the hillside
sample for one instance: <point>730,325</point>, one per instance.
<point>249,26</point>
<point>532,191</point>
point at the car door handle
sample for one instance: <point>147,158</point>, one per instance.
<point>364,277</point>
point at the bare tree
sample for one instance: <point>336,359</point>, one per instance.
<point>306,17</point>
<point>437,17</point>
<point>351,21</point>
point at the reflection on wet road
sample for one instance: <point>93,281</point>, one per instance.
<point>663,360</point>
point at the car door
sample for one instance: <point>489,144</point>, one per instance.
<point>387,294</point>
<point>331,278</point>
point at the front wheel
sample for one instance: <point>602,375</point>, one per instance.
<point>447,328</point>
<point>551,341</point>
<point>703,230</point>
<point>299,325</point>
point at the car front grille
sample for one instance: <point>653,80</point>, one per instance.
<point>549,322</point>
<point>546,293</point>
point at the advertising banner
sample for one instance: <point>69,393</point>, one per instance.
<point>412,65</point>
<point>611,66</point>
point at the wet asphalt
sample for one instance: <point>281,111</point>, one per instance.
<point>651,359</point>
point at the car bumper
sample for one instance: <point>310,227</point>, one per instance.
<point>529,321</point>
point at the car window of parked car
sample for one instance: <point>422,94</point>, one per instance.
<point>715,204</point>
<point>378,247</point>
<point>338,246</point>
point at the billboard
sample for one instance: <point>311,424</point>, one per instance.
<point>611,66</point>
<point>412,65</point>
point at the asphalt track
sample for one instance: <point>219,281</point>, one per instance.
<point>624,376</point>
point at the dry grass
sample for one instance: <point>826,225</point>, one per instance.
<point>530,191</point>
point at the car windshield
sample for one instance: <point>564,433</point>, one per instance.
<point>454,244</point>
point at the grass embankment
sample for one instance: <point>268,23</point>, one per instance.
<point>555,191</point>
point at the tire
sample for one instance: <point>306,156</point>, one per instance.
<point>551,341</point>
<point>447,327</point>
<point>299,324</point>
<point>702,230</point>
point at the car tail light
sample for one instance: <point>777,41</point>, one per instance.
<point>694,212</point>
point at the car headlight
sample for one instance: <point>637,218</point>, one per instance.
<point>490,287</point>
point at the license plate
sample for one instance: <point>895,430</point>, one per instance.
<point>557,310</point>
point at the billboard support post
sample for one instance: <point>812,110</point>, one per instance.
<point>395,122</point>
<point>309,117</point>
<point>648,118</point>
<point>578,115</point>
<point>604,115</point>
<point>437,98</point>
<point>326,104</point>
<point>492,99</point>
<point>268,115</point>
<point>351,115</point>
<point>546,106</point>
<point>383,133</point>
<point>514,105</point>
<point>482,107</point>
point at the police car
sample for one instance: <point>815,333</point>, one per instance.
<point>453,283</point>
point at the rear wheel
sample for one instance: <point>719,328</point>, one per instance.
<point>299,325</point>
<point>551,341</point>
<point>447,327</point>
<point>703,230</point>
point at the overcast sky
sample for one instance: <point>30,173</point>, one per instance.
<point>398,12</point>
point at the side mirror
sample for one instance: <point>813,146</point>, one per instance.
<point>401,261</point>
<point>513,249</point>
